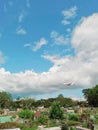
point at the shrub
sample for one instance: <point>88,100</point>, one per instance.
<point>73,117</point>
<point>42,119</point>
<point>26,114</point>
<point>56,112</point>
<point>71,128</point>
<point>64,127</point>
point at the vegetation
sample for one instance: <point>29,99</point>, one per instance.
<point>91,96</point>
<point>86,112</point>
<point>73,117</point>
<point>64,127</point>
<point>56,112</point>
<point>26,114</point>
<point>5,99</point>
<point>42,120</point>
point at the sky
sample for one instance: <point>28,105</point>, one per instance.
<point>46,43</point>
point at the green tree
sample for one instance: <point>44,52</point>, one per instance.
<point>61,99</point>
<point>27,103</point>
<point>91,96</point>
<point>56,112</point>
<point>5,99</point>
<point>26,114</point>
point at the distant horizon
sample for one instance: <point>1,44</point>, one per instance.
<point>44,44</point>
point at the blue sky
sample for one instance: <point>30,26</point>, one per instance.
<point>46,43</point>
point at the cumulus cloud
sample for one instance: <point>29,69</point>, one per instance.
<point>39,44</point>
<point>59,39</point>
<point>69,14</point>
<point>85,42</point>
<point>82,68</point>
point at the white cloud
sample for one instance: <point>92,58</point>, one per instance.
<point>2,58</point>
<point>27,45</point>
<point>85,35</point>
<point>39,44</point>
<point>69,14</point>
<point>82,68</point>
<point>59,39</point>
<point>21,31</point>
<point>65,22</point>
<point>21,16</point>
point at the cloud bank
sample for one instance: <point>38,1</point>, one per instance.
<point>82,67</point>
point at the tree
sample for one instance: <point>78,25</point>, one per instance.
<point>26,114</point>
<point>56,112</point>
<point>65,101</point>
<point>27,103</point>
<point>5,99</point>
<point>91,96</point>
<point>61,99</point>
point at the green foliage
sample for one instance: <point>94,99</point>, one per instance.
<point>72,128</point>
<point>73,117</point>
<point>64,127</point>
<point>73,123</point>
<point>5,99</point>
<point>42,119</point>
<point>61,100</point>
<point>27,103</point>
<point>56,112</point>
<point>26,114</point>
<point>65,101</point>
<point>96,116</point>
<point>23,127</point>
<point>92,96</point>
<point>85,124</point>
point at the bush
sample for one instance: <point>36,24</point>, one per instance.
<point>64,127</point>
<point>71,128</point>
<point>56,112</point>
<point>42,119</point>
<point>73,123</point>
<point>73,117</point>
<point>26,114</point>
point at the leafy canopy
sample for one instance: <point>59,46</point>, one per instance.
<point>91,96</point>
